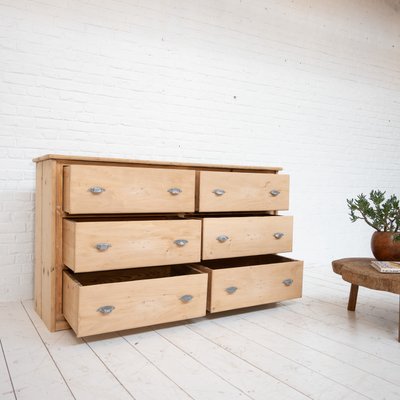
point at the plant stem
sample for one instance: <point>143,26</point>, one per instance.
<point>364,217</point>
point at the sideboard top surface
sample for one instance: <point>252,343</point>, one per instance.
<point>85,159</point>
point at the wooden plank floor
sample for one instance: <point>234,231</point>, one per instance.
<point>311,348</point>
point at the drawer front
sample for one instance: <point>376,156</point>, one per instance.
<point>96,246</point>
<point>254,285</point>
<point>132,304</point>
<point>246,236</point>
<point>100,189</point>
<point>234,191</point>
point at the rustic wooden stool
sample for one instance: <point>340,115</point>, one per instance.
<point>358,272</point>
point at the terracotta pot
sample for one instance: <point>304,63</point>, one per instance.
<point>384,248</point>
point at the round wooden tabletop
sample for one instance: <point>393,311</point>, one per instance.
<point>358,271</point>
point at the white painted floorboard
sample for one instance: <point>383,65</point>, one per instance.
<point>79,365</point>
<point>33,371</point>
<point>311,348</point>
<point>138,374</point>
<point>238,372</point>
<point>6,388</point>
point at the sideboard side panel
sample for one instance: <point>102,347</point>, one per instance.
<point>38,241</point>
<point>47,255</point>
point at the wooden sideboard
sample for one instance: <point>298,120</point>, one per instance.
<point>129,243</point>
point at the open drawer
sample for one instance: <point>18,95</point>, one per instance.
<point>104,245</point>
<point>227,237</point>
<point>249,281</point>
<point>243,191</point>
<point>114,300</point>
<point>96,189</point>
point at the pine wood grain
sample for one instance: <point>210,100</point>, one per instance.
<point>48,244</point>
<point>38,241</point>
<point>247,236</point>
<point>243,191</point>
<point>127,190</point>
<point>138,302</point>
<point>255,284</point>
<point>133,243</point>
<point>127,161</point>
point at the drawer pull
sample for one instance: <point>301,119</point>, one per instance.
<point>103,246</point>
<point>106,309</point>
<point>96,189</point>
<point>181,242</point>
<point>288,282</point>
<point>218,192</point>
<point>275,193</point>
<point>222,238</point>
<point>279,235</point>
<point>231,289</point>
<point>174,191</point>
<point>186,298</point>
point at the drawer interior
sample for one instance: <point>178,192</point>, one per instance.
<point>130,217</point>
<point>245,261</point>
<point>133,274</point>
<point>165,216</point>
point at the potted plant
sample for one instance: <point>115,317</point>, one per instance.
<point>382,214</point>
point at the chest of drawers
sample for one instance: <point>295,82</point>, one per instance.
<point>123,244</point>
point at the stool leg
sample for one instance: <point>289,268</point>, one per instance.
<point>353,297</point>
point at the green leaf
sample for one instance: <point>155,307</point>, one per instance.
<point>379,212</point>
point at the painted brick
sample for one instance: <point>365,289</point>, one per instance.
<point>312,88</point>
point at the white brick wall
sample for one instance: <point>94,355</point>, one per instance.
<point>313,86</point>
